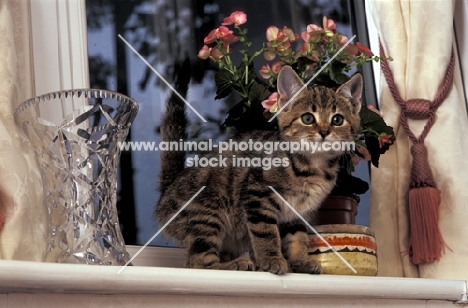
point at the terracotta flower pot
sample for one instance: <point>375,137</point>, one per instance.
<point>337,210</point>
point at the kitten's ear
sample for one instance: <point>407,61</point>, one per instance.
<point>352,90</point>
<point>288,84</point>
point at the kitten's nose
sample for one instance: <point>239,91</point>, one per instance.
<point>324,133</point>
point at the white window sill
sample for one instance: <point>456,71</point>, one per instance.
<point>29,284</point>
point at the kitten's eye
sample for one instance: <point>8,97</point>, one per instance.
<point>337,120</point>
<point>308,118</point>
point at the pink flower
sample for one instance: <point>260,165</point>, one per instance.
<point>271,104</point>
<point>273,33</point>
<point>342,39</point>
<point>275,36</point>
<point>284,47</point>
<point>211,37</point>
<point>315,57</point>
<point>328,24</point>
<point>365,50</point>
<point>278,42</point>
<point>276,67</point>
<point>269,54</point>
<point>216,53</point>
<point>237,18</point>
<point>219,33</point>
<point>350,51</point>
<point>223,32</point>
<point>265,71</point>
<point>312,35</point>
<point>289,33</point>
<point>364,152</point>
<point>204,53</point>
<point>356,159</point>
<point>313,28</point>
<point>303,50</point>
<point>230,38</point>
<point>384,139</point>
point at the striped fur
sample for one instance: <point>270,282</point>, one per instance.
<point>173,127</point>
<point>237,222</point>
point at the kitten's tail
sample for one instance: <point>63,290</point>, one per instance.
<point>173,128</point>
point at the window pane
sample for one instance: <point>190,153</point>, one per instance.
<point>165,33</point>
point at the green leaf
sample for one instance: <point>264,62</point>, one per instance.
<point>258,92</point>
<point>301,64</point>
<point>324,79</point>
<point>370,120</point>
<point>373,125</point>
<point>373,147</point>
<point>223,81</point>
<point>236,113</point>
<point>347,184</point>
<point>336,72</point>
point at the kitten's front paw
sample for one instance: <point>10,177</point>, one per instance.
<point>275,265</point>
<point>240,264</point>
<point>308,266</point>
<point>244,265</point>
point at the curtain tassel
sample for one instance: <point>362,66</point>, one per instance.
<point>426,242</point>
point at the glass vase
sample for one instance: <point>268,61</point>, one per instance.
<point>76,135</point>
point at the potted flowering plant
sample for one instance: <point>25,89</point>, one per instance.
<point>309,54</point>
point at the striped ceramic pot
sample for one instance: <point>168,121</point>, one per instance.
<point>344,249</point>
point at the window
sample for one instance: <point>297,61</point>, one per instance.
<point>165,33</point>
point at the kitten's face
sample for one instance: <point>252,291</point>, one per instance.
<point>318,114</point>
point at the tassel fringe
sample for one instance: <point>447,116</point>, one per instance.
<point>427,244</point>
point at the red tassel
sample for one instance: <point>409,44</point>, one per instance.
<point>427,244</point>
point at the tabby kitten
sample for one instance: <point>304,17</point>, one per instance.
<point>237,212</point>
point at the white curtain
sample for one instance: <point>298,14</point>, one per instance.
<point>42,49</point>
<point>419,36</point>
<point>23,236</point>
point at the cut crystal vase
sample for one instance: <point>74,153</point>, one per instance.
<point>77,136</point>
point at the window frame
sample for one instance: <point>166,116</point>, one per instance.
<point>359,27</point>
<point>60,51</point>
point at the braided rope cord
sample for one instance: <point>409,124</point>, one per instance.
<point>419,109</point>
